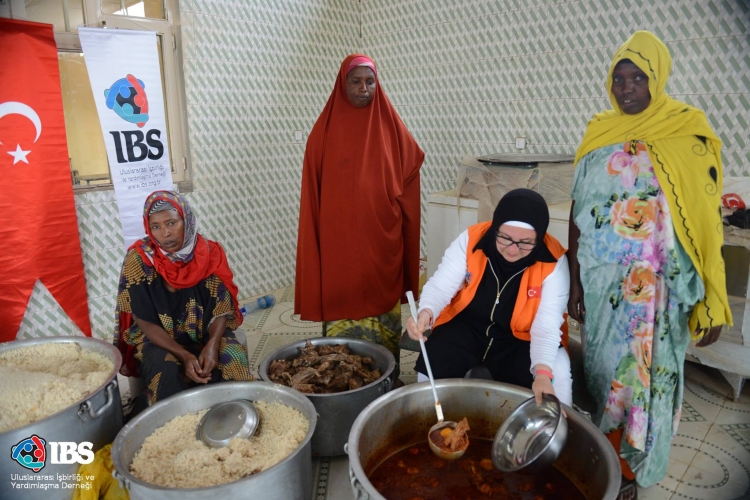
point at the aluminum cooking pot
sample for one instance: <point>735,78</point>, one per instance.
<point>96,419</point>
<point>290,479</point>
<point>401,419</point>
<point>336,412</point>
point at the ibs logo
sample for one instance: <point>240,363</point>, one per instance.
<point>30,453</point>
<point>127,98</point>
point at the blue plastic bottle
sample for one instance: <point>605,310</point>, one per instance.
<point>260,303</point>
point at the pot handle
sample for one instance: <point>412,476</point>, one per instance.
<point>87,407</point>
<point>359,492</point>
<point>123,482</point>
<point>386,385</point>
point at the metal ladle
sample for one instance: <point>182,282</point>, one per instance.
<point>441,423</point>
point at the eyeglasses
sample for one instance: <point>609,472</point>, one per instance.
<point>505,242</point>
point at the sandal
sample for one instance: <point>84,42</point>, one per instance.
<point>628,490</point>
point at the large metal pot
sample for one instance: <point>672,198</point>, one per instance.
<point>95,419</point>
<point>403,417</point>
<point>336,412</point>
<point>290,479</point>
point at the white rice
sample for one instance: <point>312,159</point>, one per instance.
<point>173,457</point>
<point>41,380</point>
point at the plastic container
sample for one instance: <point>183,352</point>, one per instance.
<point>260,303</point>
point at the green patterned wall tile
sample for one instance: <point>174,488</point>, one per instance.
<point>102,314</point>
<point>732,60</point>
<point>99,226</point>
<point>735,162</point>
<point>94,285</point>
<point>46,321</point>
<point>217,169</point>
<point>108,266</point>
<point>683,19</point>
<point>693,68</point>
<point>604,23</point>
<point>187,6</point>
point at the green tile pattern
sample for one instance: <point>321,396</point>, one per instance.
<point>468,77</point>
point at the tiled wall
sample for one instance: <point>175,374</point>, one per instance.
<point>466,76</point>
<point>255,71</point>
<point>469,76</point>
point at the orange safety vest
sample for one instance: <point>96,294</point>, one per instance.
<point>529,293</point>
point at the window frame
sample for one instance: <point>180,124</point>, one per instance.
<point>173,82</point>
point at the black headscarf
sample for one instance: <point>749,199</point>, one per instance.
<point>522,205</point>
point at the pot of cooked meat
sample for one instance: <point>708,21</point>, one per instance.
<point>339,375</point>
<point>389,456</point>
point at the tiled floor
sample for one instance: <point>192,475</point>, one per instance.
<point>710,456</point>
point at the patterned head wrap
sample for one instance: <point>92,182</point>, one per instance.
<point>159,201</point>
<point>160,206</point>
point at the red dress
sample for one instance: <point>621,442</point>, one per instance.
<point>359,227</point>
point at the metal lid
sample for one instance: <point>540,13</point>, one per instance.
<point>226,421</point>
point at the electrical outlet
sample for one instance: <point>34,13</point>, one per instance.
<point>520,143</point>
<point>297,136</point>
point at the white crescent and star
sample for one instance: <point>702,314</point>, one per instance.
<point>19,108</point>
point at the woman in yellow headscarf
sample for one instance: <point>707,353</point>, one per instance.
<point>646,267</point>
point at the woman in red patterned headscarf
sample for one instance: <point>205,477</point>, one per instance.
<point>177,306</point>
<point>359,228</point>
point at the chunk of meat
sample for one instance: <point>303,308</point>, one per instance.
<point>355,383</point>
<point>303,376</point>
<point>458,440</point>
<point>324,369</point>
<point>310,358</point>
<point>306,388</point>
<point>278,366</point>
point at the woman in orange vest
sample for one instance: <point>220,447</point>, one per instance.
<point>497,300</point>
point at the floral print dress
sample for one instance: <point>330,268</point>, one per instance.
<point>639,287</point>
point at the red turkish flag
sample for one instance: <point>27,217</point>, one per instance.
<point>37,214</point>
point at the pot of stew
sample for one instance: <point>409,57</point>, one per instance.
<point>389,456</point>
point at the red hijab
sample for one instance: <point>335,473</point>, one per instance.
<point>359,228</point>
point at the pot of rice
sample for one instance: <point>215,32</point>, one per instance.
<point>57,390</point>
<point>337,411</point>
<point>158,456</point>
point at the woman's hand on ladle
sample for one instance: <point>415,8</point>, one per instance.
<point>416,330</point>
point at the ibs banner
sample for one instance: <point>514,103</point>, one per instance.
<point>123,67</point>
<point>38,225</point>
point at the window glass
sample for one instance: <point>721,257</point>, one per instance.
<point>87,154</point>
<point>65,15</point>
<point>153,9</point>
